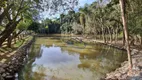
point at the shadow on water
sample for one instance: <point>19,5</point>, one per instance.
<point>53,59</point>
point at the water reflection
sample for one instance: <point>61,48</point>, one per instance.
<point>53,57</point>
<point>59,61</point>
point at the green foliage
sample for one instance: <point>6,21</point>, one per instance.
<point>46,27</point>
<point>1,28</point>
<point>103,18</point>
<point>50,26</point>
<point>34,26</point>
<point>23,25</point>
<point>3,3</point>
<point>66,28</point>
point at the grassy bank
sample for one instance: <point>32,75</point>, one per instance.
<point>6,53</point>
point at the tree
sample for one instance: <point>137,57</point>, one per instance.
<point>12,12</point>
<point>34,26</point>
<point>82,21</point>
<point>22,26</point>
<point>122,6</point>
<point>14,15</point>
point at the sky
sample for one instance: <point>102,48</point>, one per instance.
<point>80,4</point>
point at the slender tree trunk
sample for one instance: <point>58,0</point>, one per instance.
<point>126,32</point>
<point>136,40</point>
<point>103,35</point>
<point>123,38</point>
<point>100,34</point>
<point>113,30</point>
<point>116,35</point>
<point>110,35</point>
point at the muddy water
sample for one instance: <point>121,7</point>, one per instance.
<point>53,58</point>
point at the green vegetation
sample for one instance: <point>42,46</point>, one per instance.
<point>110,21</point>
<point>107,20</point>
<point>18,16</point>
<point>19,43</point>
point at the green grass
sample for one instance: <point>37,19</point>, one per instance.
<point>19,43</point>
<point>22,42</point>
<point>15,46</point>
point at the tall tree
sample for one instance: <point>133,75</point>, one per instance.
<point>122,6</point>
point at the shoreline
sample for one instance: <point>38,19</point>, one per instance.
<point>121,73</point>
<point>8,70</point>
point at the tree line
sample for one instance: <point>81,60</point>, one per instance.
<point>110,21</point>
<point>103,20</point>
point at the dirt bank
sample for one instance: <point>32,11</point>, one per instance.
<point>8,70</point>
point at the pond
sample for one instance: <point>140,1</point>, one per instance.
<point>53,58</point>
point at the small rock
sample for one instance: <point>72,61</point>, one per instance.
<point>3,75</point>
<point>1,78</point>
<point>2,70</point>
<point>4,65</point>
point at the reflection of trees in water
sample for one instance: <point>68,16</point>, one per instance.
<point>106,60</point>
<point>27,73</point>
<point>103,60</point>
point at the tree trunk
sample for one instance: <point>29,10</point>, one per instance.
<point>6,28</point>
<point>103,35</point>
<point>116,35</point>
<point>123,38</point>
<point>136,40</point>
<point>126,32</point>
<point>9,41</point>
<point>8,31</point>
<point>5,35</point>
<point>110,35</point>
<point>113,30</point>
<point>100,35</point>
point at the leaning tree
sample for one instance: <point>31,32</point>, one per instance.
<point>12,12</point>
